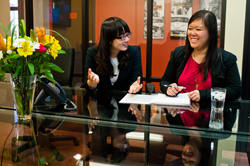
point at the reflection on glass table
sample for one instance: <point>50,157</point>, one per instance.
<point>125,134</point>
<point>114,142</point>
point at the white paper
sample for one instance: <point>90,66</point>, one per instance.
<point>161,99</point>
<point>180,100</point>
<point>137,99</point>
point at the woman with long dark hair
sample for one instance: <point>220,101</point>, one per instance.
<point>200,65</point>
<point>113,64</point>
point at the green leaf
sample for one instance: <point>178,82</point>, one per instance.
<point>32,35</point>
<point>12,56</point>
<point>61,52</point>
<point>22,28</point>
<point>39,78</point>
<point>49,76</point>
<point>10,25</point>
<point>43,69</point>
<point>4,29</point>
<point>54,67</point>
<point>27,38</point>
<point>17,70</point>
<point>64,38</point>
<point>12,34</point>
<point>7,68</point>
<point>2,76</point>
<point>31,68</point>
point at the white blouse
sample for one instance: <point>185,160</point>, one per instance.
<point>115,63</point>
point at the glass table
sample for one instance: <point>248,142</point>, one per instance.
<point>102,131</point>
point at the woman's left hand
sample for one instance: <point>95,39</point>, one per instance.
<point>194,95</point>
<point>195,107</point>
<point>136,86</point>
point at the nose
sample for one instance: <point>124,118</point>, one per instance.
<point>193,32</point>
<point>126,39</point>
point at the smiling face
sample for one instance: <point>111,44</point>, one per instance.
<point>190,155</point>
<point>118,45</point>
<point>198,35</point>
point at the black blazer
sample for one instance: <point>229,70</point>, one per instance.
<point>126,76</point>
<point>224,73</point>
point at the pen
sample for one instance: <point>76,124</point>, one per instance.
<point>182,87</point>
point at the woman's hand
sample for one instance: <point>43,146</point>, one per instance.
<point>173,91</point>
<point>195,107</point>
<point>194,95</point>
<point>93,112</point>
<point>134,110</point>
<point>92,107</point>
<point>93,79</point>
<point>136,86</point>
<point>173,111</point>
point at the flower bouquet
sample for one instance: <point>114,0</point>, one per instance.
<point>25,58</point>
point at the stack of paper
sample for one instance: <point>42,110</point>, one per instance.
<point>161,99</point>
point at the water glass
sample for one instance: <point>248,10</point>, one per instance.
<point>218,96</point>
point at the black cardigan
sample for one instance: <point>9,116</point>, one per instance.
<point>224,73</point>
<point>126,76</point>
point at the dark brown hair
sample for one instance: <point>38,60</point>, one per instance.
<point>210,23</point>
<point>110,29</point>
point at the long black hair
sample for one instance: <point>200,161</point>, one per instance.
<point>110,29</point>
<point>210,22</point>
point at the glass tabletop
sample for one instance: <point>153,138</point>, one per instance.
<point>105,105</point>
<point>102,131</point>
<point>53,139</point>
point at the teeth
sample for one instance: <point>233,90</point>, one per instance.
<point>194,39</point>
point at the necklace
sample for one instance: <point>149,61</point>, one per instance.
<point>196,80</point>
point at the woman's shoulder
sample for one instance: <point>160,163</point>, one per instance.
<point>134,48</point>
<point>92,50</point>
<point>228,56</point>
<point>180,48</point>
<point>179,51</point>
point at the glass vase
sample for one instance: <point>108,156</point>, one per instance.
<point>23,88</point>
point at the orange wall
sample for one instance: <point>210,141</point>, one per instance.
<point>132,11</point>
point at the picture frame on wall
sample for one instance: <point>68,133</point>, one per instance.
<point>158,19</point>
<point>215,7</point>
<point>181,11</point>
<point>61,10</point>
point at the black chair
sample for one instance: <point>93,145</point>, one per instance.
<point>66,63</point>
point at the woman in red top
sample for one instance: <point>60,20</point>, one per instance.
<point>200,65</point>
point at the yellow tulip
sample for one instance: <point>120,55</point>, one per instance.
<point>2,44</point>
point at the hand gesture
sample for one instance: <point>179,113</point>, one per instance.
<point>92,107</point>
<point>173,111</point>
<point>134,110</point>
<point>93,79</point>
<point>194,95</point>
<point>136,86</point>
<point>195,107</point>
<point>173,91</point>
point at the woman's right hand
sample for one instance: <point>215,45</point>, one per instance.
<point>173,91</point>
<point>93,79</point>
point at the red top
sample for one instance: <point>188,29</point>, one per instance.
<point>191,119</point>
<point>188,75</point>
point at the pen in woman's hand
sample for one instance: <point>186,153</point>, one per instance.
<point>182,87</point>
